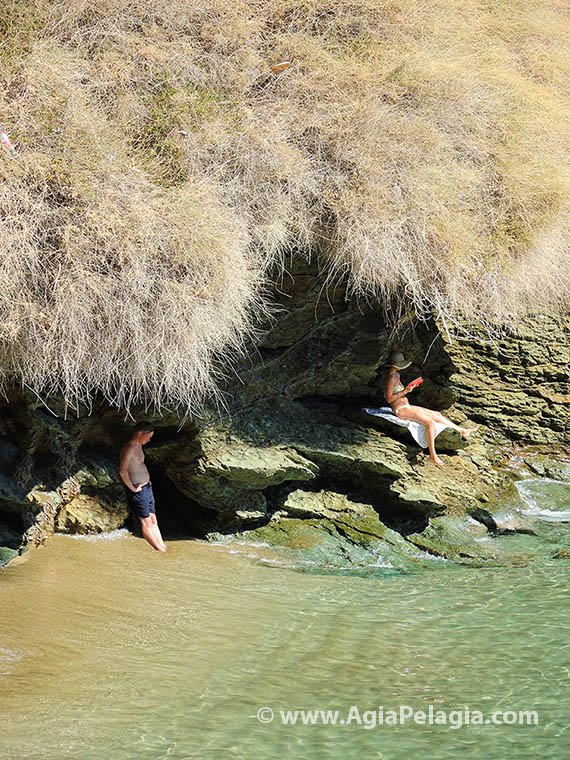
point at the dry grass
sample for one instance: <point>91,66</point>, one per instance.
<point>419,148</point>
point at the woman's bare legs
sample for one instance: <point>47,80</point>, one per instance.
<point>418,414</point>
<point>438,417</point>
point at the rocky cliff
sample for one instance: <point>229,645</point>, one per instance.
<point>289,456</point>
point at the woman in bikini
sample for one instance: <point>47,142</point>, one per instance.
<point>396,396</point>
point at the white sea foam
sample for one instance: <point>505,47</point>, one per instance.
<point>277,563</point>
<point>242,553</point>
<point>548,515</point>
<point>502,517</point>
<point>381,563</point>
<point>8,658</point>
<point>434,557</point>
<point>247,549</point>
<point>545,498</point>
<point>231,540</point>
<point>111,535</point>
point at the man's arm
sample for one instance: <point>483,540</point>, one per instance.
<point>126,456</point>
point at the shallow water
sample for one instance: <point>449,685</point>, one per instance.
<point>109,650</point>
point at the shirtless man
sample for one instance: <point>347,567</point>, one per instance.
<point>134,475</point>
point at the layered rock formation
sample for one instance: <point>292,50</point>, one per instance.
<point>290,446</point>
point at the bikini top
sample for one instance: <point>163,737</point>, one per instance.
<point>398,388</point>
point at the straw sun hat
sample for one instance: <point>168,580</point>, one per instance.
<point>397,360</point>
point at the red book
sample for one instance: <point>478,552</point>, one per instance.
<point>416,382</point>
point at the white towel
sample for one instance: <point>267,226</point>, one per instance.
<point>417,430</point>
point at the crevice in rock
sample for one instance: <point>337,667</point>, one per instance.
<point>11,529</point>
<point>179,516</point>
<point>485,518</point>
<point>390,511</point>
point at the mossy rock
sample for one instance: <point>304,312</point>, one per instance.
<point>7,554</point>
<point>347,535</point>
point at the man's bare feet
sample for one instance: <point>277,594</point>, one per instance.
<point>466,432</point>
<point>436,460</point>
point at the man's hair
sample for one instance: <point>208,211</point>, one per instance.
<point>143,427</point>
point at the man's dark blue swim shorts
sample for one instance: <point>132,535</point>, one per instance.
<point>142,502</point>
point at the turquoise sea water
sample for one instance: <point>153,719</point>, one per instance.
<point>108,650</point>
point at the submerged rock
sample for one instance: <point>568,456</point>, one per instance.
<point>334,534</point>
<point>450,537</point>
<point>326,531</point>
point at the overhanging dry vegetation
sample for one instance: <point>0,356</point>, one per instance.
<point>419,148</point>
